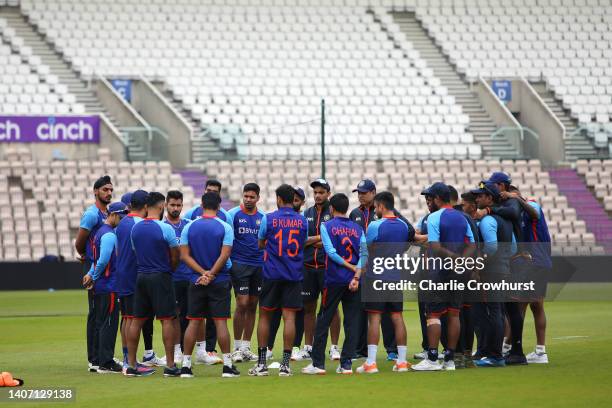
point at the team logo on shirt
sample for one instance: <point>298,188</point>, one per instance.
<point>357,218</point>
<point>258,222</point>
<point>242,220</point>
<point>375,217</point>
<point>326,217</point>
<point>310,219</point>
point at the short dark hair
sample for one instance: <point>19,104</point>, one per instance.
<point>469,197</point>
<point>155,198</point>
<point>213,182</point>
<point>175,195</point>
<point>340,202</point>
<point>286,193</point>
<point>454,195</point>
<point>385,198</point>
<point>211,201</point>
<point>102,181</point>
<point>251,187</point>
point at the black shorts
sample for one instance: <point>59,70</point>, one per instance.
<point>437,309</point>
<point>383,307</point>
<point>313,284</point>
<point>181,289</point>
<point>281,294</point>
<point>126,304</point>
<point>154,296</point>
<point>540,278</point>
<point>246,279</point>
<point>211,302</point>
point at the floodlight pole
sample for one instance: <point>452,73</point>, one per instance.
<point>323,138</point>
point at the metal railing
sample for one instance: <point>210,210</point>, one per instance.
<point>146,143</point>
<point>524,140</point>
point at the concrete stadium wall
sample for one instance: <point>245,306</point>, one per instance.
<point>159,113</point>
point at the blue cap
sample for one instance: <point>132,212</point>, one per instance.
<point>300,192</point>
<point>118,208</point>
<point>139,198</point>
<point>437,189</point>
<point>126,198</point>
<point>487,187</point>
<point>500,177</point>
<point>365,186</point>
<point>321,182</point>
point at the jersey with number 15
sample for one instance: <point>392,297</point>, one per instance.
<point>285,232</point>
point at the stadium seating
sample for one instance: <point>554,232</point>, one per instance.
<point>254,73</point>
<point>598,176</point>
<point>27,86</point>
<point>564,42</point>
<point>408,178</point>
<point>41,202</point>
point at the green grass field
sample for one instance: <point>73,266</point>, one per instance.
<point>42,340</point>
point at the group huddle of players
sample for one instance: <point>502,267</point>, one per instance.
<point>142,265</point>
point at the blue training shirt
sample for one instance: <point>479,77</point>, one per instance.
<point>126,258</point>
<point>197,211</point>
<point>103,266</point>
<point>536,233</point>
<point>182,272</point>
<point>386,238</point>
<point>285,232</point>
<point>342,240</point>
<point>92,219</point>
<point>152,240</point>
<point>205,237</point>
<point>246,229</point>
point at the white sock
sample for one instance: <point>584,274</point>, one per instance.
<point>177,349</point>
<point>237,344</point>
<point>334,346</point>
<point>401,354</point>
<point>540,349</point>
<point>372,349</point>
<point>307,347</point>
<point>148,353</point>
<point>227,359</point>
<point>186,361</point>
<point>506,347</point>
<point>201,345</point>
<point>246,345</point>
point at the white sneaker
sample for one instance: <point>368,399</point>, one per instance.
<point>420,356</point>
<point>269,355</point>
<point>305,353</point>
<point>207,358</point>
<point>237,356</point>
<point>537,358</point>
<point>153,361</point>
<point>427,365</point>
<point>448,366</point>
<point>341,370</point>
<point>334,353</point>
<point>247,354</point>
<point>312,370</point>
<point>296,354</point>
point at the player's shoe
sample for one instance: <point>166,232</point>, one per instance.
<point>468,362</point>
<point>153,361</point>
<point>537,358</point>
<point>186,372</point>
<point>459,361</point>
<point>144,370</point>
<point>334,353</point>
<point>269,355</point>
<point>312,370</point>
<point>208,358</point>
<point>490,362</point>
<point>401,367</point>
<point>259,370</point>
<point>111,368</point>
<point>366,368</point>
<point>284,371</point>
<point>132,372</point>
<point>172,371</point>
<point>392,356</point>
<point>247,355</point>
<point>296,354</point>
<point>346,369</point>
<point>449,365</point>
<point>427,365</point>
<point>230,372</point>
<point>92,368</point>
<point>420,356</point>
<point>237,356</point>
<point>305,354</point>
<point>516,359</point>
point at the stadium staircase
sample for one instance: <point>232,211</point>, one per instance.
<point>578,147</point>
<point>481,125</point>
<point>588,208</point>
<point>54,61</point>
<point>197,180</point>
<point>203,147</point>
